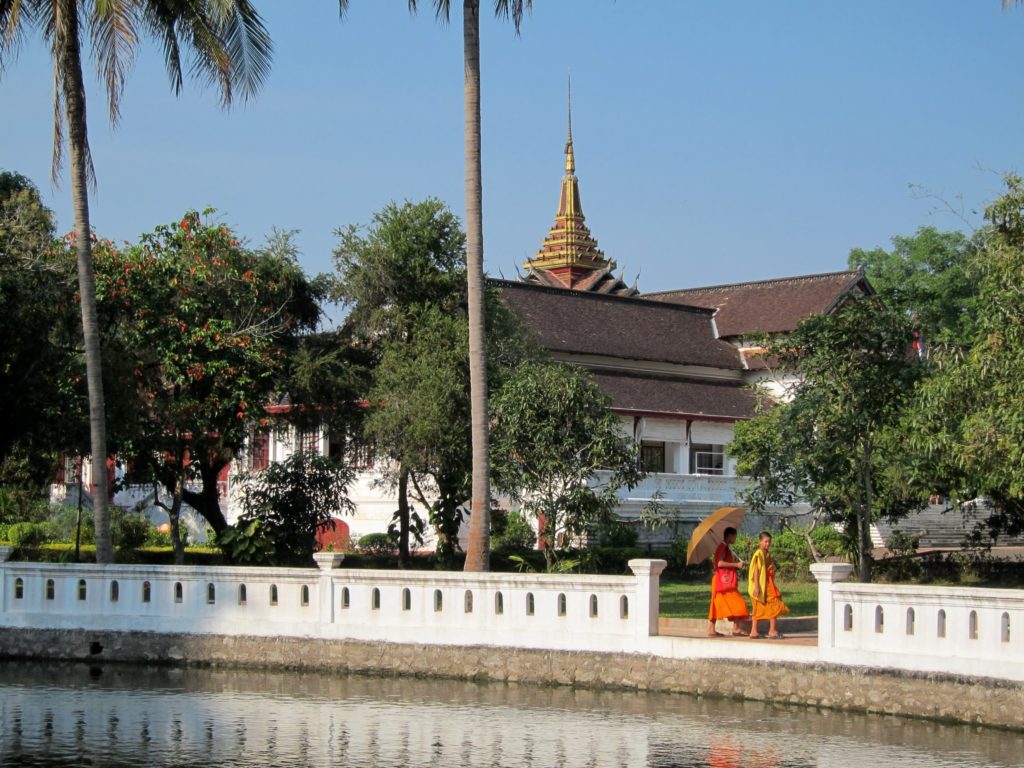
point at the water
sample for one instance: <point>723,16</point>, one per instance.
<point>56,715</point>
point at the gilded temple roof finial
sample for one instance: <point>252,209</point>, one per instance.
<point>570,160</point>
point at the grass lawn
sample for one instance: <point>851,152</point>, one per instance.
<point>686,600</point>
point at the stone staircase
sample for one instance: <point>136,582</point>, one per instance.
<point>939,526</point>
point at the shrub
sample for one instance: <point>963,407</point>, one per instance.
<point>377,544</point>
<point>247,543</point>
<point>616,533</point>
<point>129,531</point>
<point>29,534</point>
<point>516,533</point>
<point>18,505</point>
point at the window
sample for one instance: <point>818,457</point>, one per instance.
<point>468,601</point>
<point>561,605</point>
<point>375,599</point>
<point>351,451</point>
<point>304,596</point>
<point>499,603</point>
<point>242,597</point>
<point>50,589</point>
<point>211,594</point>
<point>273,594</point>
<point>438,600</point>
<point>178,592</point>
<point>147,592</point>
<point>530,607</point>
<point>259,451</point>
<point>911,618</point>
<point>309,441</point>
<point>652,456</point>
<point>19,588</point>
<point>346,598</point>
<point>593,606</point>
<point>406,599</point>
<point>623,607</point>
<point>81,589</point>
<point>707,459</point>
<point>115,591</point>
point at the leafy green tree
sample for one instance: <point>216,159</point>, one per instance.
<point>230,48</point>
<point>284,507</point>
<point>967,423</point>
<point>552,429</point>
<point>38,358</point>
<point>832,442</point>
<point>202,327</point>
<point>927,276</point>
<point>478,554</point>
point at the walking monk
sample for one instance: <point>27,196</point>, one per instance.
<point>726,601</point>
<point>765,598</point>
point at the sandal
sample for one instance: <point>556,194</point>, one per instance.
<point>778,636</point>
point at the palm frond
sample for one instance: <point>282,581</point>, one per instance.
<point>248,46</point>
<point>513,9</point>
<point>115,40</point>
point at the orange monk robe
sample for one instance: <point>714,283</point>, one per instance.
<point>729,604</point>
<point>762,574</point>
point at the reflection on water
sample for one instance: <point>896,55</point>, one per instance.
<point>122,716</point>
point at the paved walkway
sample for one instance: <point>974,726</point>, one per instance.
<point>796,630</point>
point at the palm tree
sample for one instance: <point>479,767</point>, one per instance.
<point>478,552</point>
<point>229,47</point>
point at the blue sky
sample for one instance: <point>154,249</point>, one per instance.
<point>715,141</point>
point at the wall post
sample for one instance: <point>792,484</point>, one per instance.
<point>647,598</point>
<point>828,574</point>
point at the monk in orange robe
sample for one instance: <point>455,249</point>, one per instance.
<point>765,598</point>
<point>726,601</point>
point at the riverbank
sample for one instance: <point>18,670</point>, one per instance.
<point>944,698</point>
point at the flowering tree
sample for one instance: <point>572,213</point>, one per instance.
<point>201,327</point>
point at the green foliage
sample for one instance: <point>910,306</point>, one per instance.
<point>130,530</point>
<point>929,277</point>
<point>29,534</point>
<point>202,327</point>
<point>19,504</point>
<point>248,542</point>
<point>292,500</point>
<point>616,533</point>
<point>377,543</point>
<point>552,428</point>
<point>966,427</point>
<point>834,442</point>
<point>511,531</point>
<point>39,327</point>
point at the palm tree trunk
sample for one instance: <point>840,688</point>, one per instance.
<point>68,61</point>
<point>478,550</point>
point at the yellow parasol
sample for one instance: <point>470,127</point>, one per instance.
<point>708,535</point>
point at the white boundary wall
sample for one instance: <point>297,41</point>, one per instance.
<point>956,630</point>
<point>563,612</point>
<point>861,625</point>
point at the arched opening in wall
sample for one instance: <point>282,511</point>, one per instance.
<point>1004,628</point>
<point>211,593</point>
<point>346,598</point>
<point>467,601</point>
<point>879,619</point>
<point>940,628</point>
<point>530,605</point>
<point>242,596</point>
<point>179,592</point>
<point>115,591</point>
<point>51,589</point>
<point>19,588</point>
<point>375,599</point>
<point>499,603</point>
<point>147,592</point>
<point>406,599</point>
<point>847,618</point>
<point>623,607</point>
<point>304,596</point>
<point>438,600</point>
<point>561,604</point>
<point>593,606</point>
<point>81,589</point>
<point>910,621</point>
<point>972,625</point>
<point>273,594</point>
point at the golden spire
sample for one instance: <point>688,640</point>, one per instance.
<point>569,251</point>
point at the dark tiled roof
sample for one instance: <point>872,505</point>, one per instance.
<point>676,396</point>
<point>597,281</point>
<point>769,306</point>
<point>573,322</point>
